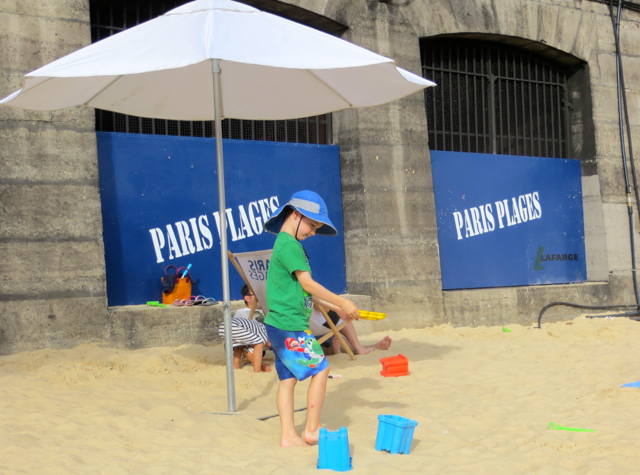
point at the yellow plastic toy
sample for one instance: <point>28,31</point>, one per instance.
<point>372,315</point>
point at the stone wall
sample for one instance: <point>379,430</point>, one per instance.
<point>52,290</point>
<point>392,251</point>
<point>52,272</point>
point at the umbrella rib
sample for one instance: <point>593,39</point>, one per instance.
<point>102,90</point>
<point>331,89</point>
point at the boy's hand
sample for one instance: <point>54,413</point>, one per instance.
<point>350,310</point>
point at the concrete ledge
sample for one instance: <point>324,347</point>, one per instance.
<point>522,305</point>
<point>139,326</point>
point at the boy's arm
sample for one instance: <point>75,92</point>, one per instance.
<point>347,307</point>
<point>335,308</point>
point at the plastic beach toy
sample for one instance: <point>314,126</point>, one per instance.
<point>505,329</point>
<point>333,450</point>
<point>572,429</point>
<point>372,315</point>
<point>156,304</point>
<point>395,366</point>
<point>395,434</point>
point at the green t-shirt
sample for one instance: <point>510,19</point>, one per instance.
<point>289,305</point>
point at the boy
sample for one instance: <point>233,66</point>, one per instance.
<point>290,294</point>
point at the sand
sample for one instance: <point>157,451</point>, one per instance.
<point>483,400</point>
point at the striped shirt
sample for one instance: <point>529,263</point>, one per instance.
<point>245,332</point>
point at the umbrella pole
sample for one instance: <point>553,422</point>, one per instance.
<point>226,302</point>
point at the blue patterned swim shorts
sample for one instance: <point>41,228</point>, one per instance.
<point>297,354</point>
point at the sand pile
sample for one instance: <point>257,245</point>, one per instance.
<point>483,400</point>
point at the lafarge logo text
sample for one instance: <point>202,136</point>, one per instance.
<point>542,257</point>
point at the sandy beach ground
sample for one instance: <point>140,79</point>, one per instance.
<point>483,400</point>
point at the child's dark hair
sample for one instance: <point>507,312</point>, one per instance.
<point>245,290</point>
<point>286,212</point>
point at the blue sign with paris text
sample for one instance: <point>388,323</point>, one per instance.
<point>160,208</point>
<point>507,220</point>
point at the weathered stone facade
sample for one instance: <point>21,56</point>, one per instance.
<point>53,273</point>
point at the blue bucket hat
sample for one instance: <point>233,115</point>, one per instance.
<point>309,204</point>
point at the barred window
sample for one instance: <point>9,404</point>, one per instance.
<point>109,17</point>
<point>492,98</point>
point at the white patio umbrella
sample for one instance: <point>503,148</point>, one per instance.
<point>213,59</point>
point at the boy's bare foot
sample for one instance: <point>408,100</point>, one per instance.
<point>265,368</point>
<point>293,442</point>
<point>311,437</point>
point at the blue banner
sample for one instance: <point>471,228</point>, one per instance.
<point>160,207</point>
<point>507,220</point>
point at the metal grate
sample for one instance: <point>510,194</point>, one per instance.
<point>493,99</point>
<point>109,17</point>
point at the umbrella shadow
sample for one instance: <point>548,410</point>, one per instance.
<point>336,409</point>
<point>246,403</point>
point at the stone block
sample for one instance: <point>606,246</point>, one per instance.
<point>51,269</point>
<point>403,260</point>
<point>56,323</point>
<point>621,290</point>
<point>612,183</point>
<point>76,10</point>
<point>50,212</point>
<point>531,301</point>
<point>344,12</point>
<point>605,104</point>
<point>522,21</point>
<point>594,230</point>
<point>47,153</point>
<point>395,212</point>
<point>568,27</point>
<point>30,42</point>
<point>386,31</point>
<point>547,23</point>
<point>351,167</point>
<point>139,326</point>
<point>604,73</point>
<point>354,210</point>
<point>401,122</point>
<point>521,305</point>
<point>436,18</point>
<point>616,218</point>
<point>585,45</point>
<point>397,168</point>
<point>357,260</point>
<point>408,304</point>
<point>608,139</point>
<point>472,308</point>
<point>633,105</point>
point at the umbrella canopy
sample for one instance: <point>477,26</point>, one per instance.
<point>212,59</point>
<point>272,68</point>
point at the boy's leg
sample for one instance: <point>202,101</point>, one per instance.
<point>315,400</point>
<point>284,400</point>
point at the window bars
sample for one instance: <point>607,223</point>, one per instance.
<point>110,17</point>
<point>494,99</point>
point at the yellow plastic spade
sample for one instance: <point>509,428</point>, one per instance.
<point>372,315</point>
